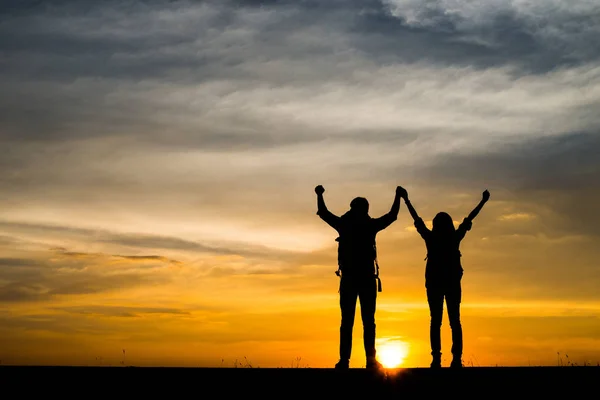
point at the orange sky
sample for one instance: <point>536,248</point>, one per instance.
<point>80,296</point>
<point>157,200</point>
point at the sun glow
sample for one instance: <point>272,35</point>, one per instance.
<point>392,354</point>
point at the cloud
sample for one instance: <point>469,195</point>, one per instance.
<point>187,110</point>
<point>206,62</point>
<point>215,120</point>
<point>121,311</point>
<point>555,178</point>
<point>210,122</point>
<point>537,36</point>
<point>149,258</point>
<point>19,291</point>
<point>516,217</point>
<point>77,273</point>
<point>18,262</point>
<point>161,158</point>
<point>135,241</point>
<point>51,272</point>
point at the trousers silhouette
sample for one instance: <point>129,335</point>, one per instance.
<point>365,289</point>
<point>436,293</point>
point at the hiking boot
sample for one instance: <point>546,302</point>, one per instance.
<point>456,363</point>
<point>436,363</point>
<point>374,365</point>
<point>342,364</point>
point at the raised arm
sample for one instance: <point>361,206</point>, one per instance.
<point>419,223</point>
<point>323,212</point>
<point>411,209</point>
<point>484,198</point>
<point>467,223</point>
<point>386,220</point>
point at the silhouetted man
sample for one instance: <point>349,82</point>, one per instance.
<point>358,268</point>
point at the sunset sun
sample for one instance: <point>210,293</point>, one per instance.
<point>392,354</point>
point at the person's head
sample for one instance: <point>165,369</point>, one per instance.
<point>442,223</point>
<point>359,206</point>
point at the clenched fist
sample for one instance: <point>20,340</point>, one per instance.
<point>486,195</point>
<point>400,191</point>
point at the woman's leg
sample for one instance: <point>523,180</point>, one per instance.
<point>435,298</point>
<point>453,300</point>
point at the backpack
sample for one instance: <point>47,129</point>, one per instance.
<point>369,252</point>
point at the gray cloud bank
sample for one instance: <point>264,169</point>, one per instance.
<point>154,105</point>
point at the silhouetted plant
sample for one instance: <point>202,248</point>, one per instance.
<point>296,362</point>
<point>239,364</point>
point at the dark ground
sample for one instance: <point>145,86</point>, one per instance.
<point>292,383</point>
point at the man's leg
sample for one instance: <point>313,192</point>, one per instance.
<point>348,294</point>
<point>435,299</point>
<point>453,299</point>
<point>368,300</point>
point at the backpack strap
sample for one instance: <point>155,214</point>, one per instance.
<point>339,270</point>
<point>377,276</point>
<point>377,269</point>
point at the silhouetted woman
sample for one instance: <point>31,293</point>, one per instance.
<point>443,274</point>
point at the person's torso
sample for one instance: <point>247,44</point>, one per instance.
<point>443,258</point>
<point>356,247</point>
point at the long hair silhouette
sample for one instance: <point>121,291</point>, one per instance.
<point>443,224</point>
